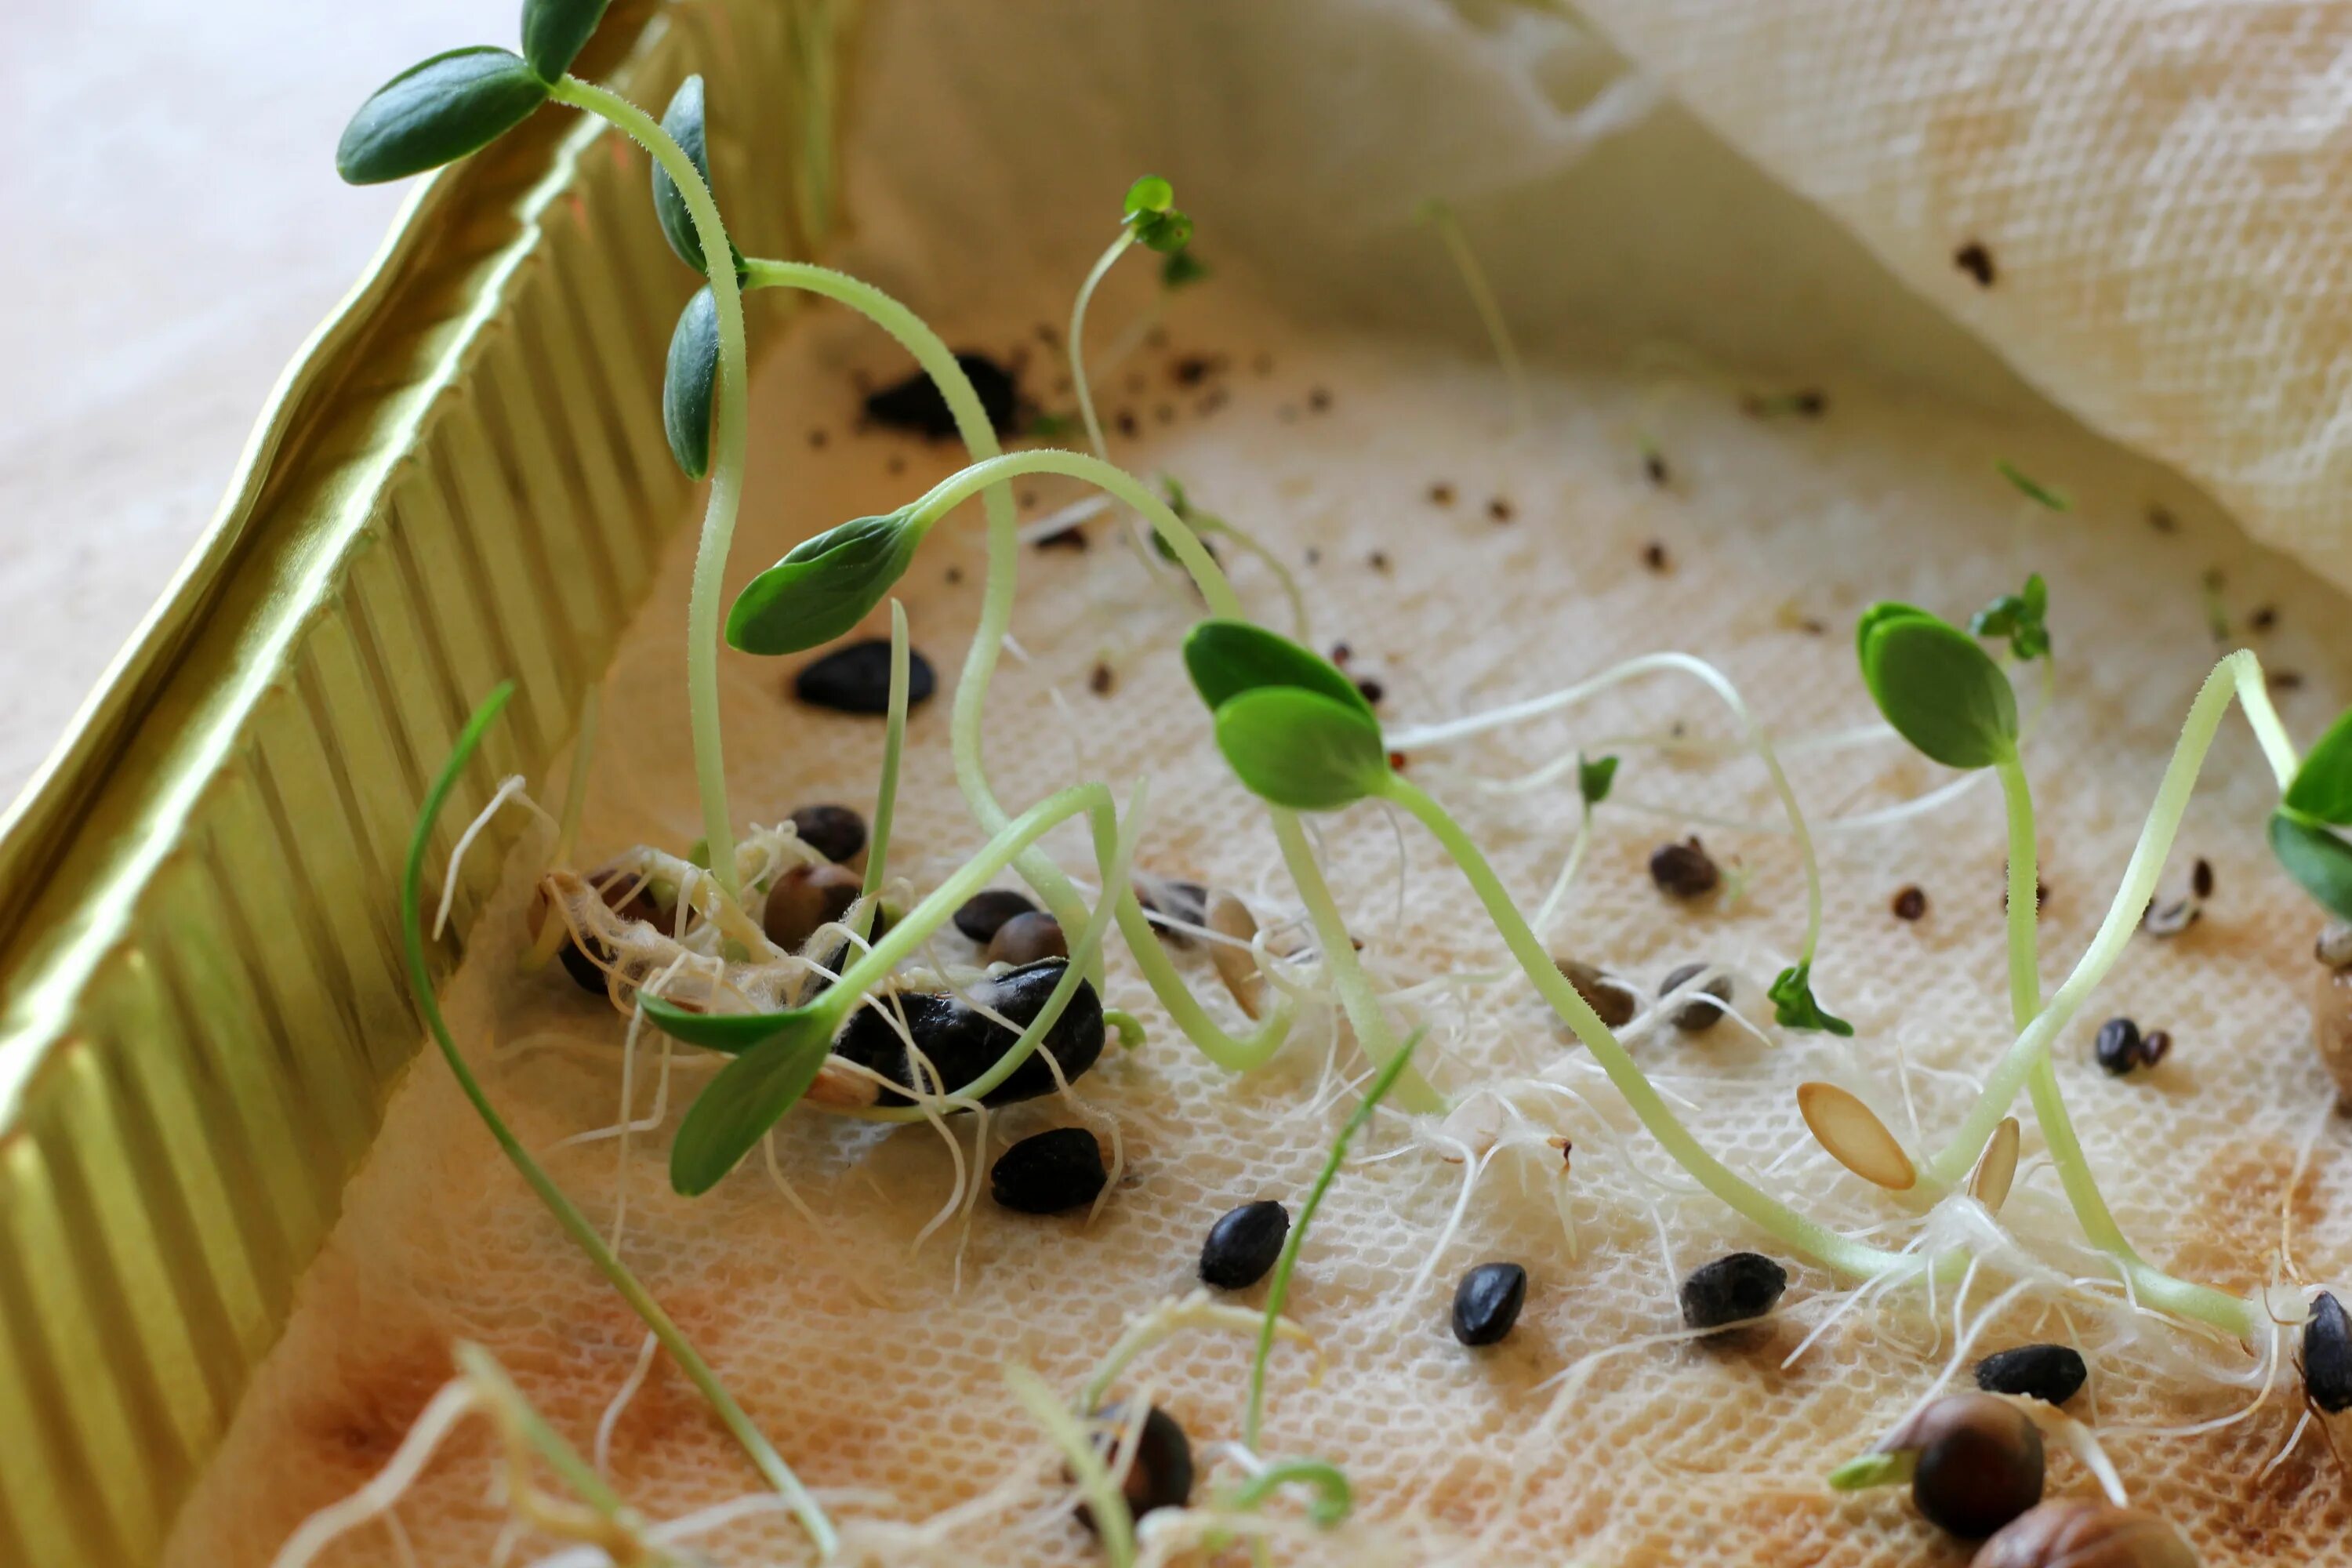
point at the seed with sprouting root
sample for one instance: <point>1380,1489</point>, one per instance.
<point>1613,1001</point>
<point>1244,1244</point>
<point>2067,1534</point>
<point>1161,1475</point>
<point>1026,939</point>
<point>1978,1462</point>
<point>1855,1137</point>
<point>1731,1290</point>
<point>1705,1008</point>
<point>2327,1355</point>
<point>806,898</point>
<point>1049,1173</point>
<point>1996,1167</point>
<point>2052,1373</point>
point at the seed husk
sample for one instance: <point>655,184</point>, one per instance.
<point>2052,1373</point>
<point>1611,999</point>
<point>1684,871</point>
<point>804,898</point>
<point>1161,1473</point>
<point>2331,1026</point>
<point>1855,1137</point>
<point>917,406</point>
<point>960,1043</point>
<point>1697,1015</point>
<point>2327,1355</point>
<point>980,916</point>
<point>855,678</point>
<point>1979,1462</point>
<point>1487,1303</point>
<point>1026,939</point>
<point>1996,1167</point>
<point>1228,917</point>
<point>1049,1173</point>
<point>1244,1244</point>
<point>835,832</point>
<point>1731,1290</point>
<point>2070,1534</point>
<point>2334,947</point>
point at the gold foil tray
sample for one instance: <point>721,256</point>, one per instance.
<point>461,480</point>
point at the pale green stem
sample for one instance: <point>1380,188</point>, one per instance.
<point>1162,1324</point>
<point>932,355</point>
<point>1440,217</point>
<point>1112,1520</point>
<point>763,1455</point>
<point>894,742</point>
<point>1335,1499</point>
<point>508,1406</point>
<point>703,608</point>
<point>2025,894</point>
<point>1077,340</point>
<point>1826,1246</point>
<point>1575,861</point>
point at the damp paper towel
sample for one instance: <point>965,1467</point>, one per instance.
<point>1683,206</point>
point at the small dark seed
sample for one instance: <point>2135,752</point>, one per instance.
<point>914,403</point>
<point>2285,681</point>
<point>1162,1474</point>
<point>1812,403</point>
<point>1611,1000</point>
<point>834,832</point>
<point>1910,903</point>
<point>1487,1303</point>
<point>1974,261</point>
<point>1244,1244</point>
<point>806,898</point>
<point>2327,1355</point>
<point>2264,618</point>
<point>2065,1534</point>
<point>2162,520</point>
<point>1070,538</point>
<point>1499,509</point>
<point>1732,1289</point>
<point>1654,556</point>
<point>1372,690</point>
<point>980,916</point>
<point>1654,464</point>
<point>1341,653</point>
<point>895,463</point>
<point>2154,1045</point>
<point>1697,1015</point>
<point>2200,877</point>
<point>1378,560</point>
<point>1048,1173</point>
<point>1318,399</point>
<point>582,968</point>
<point>2118,1046</point>
<point>2053,1374</point>
<point>1314,557</point>
<point>1190,370</point>
<point>816,439</point>
<point>1441,494</point>
<point>1980,1465</point>
<point>1127,422</point>
<point>1099,680</point>
<point>855,678</point>
<point>1026,939</point>
<point>1684,871</point>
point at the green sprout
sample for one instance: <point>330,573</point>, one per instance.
<point>1939,689</point>
<point>1441,220</point>
<point>1595,779</point>
<point>1149,218</point>
<point>2032,489</point>
<point>1209,524</point>
<point>2019,617</point>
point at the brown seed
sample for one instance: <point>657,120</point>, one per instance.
<point>1996,1167</point>
<point>1654,464</point>
<point>1378,560</point>
<point>1979,1462</point>
<point>2162,520</point>
<point>1167,898</point>
<point>2200,877</point>
<point>1654,556</point>
<point>2071,1534</point>
<point>1127,422</point>
<point>1026,939</point>
<point>2153,1046</point>
<point>2264,618</point>
<point>1441,494</point>
<point>1611,1000</point>
<point>1855,1137</point>
<point>806,898</point>
<point>2285,681</point>
<point>1099,679</point>
<point>1910,903</point>
<point>1318,399</point>
<point>1228,917</point>
<point>983,915</point>
<point>1372,690</point>
<point>816,439</point>
<point>1684,871</point>
<point>1499,509</point>
<point>835,832</point>
<point>1974,261</point>
<point>1697,1015</point>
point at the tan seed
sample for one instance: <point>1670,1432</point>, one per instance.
<point>1854,1136</point>
<point>1228,917</point>
<point>1996,1167</point>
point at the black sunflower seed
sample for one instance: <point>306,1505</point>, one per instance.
<point>1244,1244</point>
<point>2053,1374</point>
<point>915,405</point>
<point>2327,1355</point>
<point>1048,1173</point>
<point>960,1043</point>
<point>1487,1302</point>
<point>1732,1289</point>
<point>855,678</point>
<point>837,832</point>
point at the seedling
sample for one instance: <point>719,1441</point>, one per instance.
<point>1441,222</point>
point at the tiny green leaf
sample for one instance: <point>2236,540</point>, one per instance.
<point>689,381</point>
<point>733,1033</point>
<point>1941,691</point>
<point>1151,209</point>
<point>2032,488</point>
<point>2322,788</point>
<point>1047,425</point>
<point>2316,857</point>
<point>554,31</point>
<point>1793,1007</point>
<point>684,121</point>
<point>436,113</point>
<point>824,586</point>
<point>1301,750</point>
<point>1182,267</point>
<point>1226,658</point>
<point>1593,778</point>
<point>2020,618</point>
<point>1149,196</point>
<point>750,1095</point>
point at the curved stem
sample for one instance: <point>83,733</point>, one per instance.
<point>1825,1246</point>
<point>1077,340</point>
<point>1440,217</point>
<point>703,607</point>
<point>763,1455</point>
<point>894,743</point>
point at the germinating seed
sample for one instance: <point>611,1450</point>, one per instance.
<point>1979,1463</point>
<point>855,678</point>
<point>2327,1355</point>
<point>1684,871</point>
<point>1699,1013</point>
<point>916,403</point>
<point>2053,1374</point>
<point>959,1043</point>
<point>834,832</point>
<point>1731,1290</point>
<point>1611,1000</point>
<point>2065,1534</point>
<point>1026,939</point>
<point>1049,1173</point>
<point>1244,1244</point>
<point>1487,1303</point>
<point>806,898</point>
<point>979,916</point>
<point>1161,1473</point>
